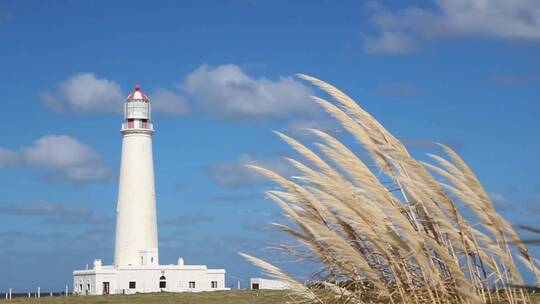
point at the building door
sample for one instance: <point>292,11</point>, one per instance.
<point>106,287</point>
<point>162,282</point>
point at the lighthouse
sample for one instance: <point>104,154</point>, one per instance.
<point>136,267</point>
<point>136,225</point>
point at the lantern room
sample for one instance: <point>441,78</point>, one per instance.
<point>137,111</point>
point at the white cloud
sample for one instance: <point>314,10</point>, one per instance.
<point>497,198</point>
<point>227,92</point>
<point>224,91</point>
<point>300,127</point>
<point>402,30</point>
<point>64,213</point>
<point>509,79</point>
<point>85,93</point>
<point>8,158</point>
<point>389,43</point>
<point>61,157</point>
<point>233,173</point>
<point>499,201</point>
<point>87,172</point>
<point>58,151</point>
<point>165,101</point>
<point>189,219</point>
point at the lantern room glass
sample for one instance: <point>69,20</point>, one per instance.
<point>137,110</point>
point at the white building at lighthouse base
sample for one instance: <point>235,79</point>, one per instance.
<point>102,280</point>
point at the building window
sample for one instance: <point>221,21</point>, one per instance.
<point>80,287</point>
<point>142,260</point>
<point>152,259</point>
<point>213,284</point>
<point>191,284</point>
<point>255,286</point>
<point>132,285</point>
<point>162,282</point>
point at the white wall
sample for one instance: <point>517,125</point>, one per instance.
<point>147,279</point>
<point>267,284</point>
<point>80,284</point>
<point>136,222</point>
<point>95,278</point>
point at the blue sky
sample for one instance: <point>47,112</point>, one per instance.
<point>458,72</point>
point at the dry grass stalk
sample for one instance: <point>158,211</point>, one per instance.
<point>379,246</point>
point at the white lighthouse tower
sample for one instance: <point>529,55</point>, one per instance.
<point>136,265</point>
<point>136,226</point>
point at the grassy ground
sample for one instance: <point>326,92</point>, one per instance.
<point>216,297</point>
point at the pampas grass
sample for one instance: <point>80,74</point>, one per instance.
<point>403,241</point>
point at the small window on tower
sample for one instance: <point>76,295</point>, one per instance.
<point>213,284</point>
<point>192,284</point>
<point>132,285</point>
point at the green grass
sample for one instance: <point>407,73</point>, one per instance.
<point>215,297</point>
